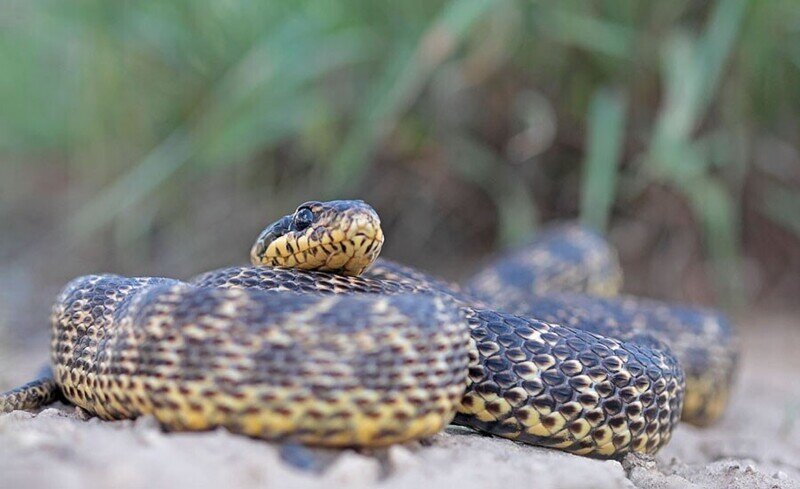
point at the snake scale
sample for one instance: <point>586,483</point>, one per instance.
<point>323,343</point>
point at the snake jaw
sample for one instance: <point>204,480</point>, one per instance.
<point>338,236</point>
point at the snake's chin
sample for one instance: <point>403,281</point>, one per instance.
<point>351,255</point>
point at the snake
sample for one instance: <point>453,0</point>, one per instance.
<point>321,342</point>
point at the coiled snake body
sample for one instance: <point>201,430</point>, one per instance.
<point>321,344</point>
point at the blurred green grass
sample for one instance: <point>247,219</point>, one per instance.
<point>539,110</point>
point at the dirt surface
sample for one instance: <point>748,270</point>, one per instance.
<point>757,444</point>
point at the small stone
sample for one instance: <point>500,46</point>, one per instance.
<point>401,458</point>
<point>147,430</point>
<point>82,414</point>
<point>52,413</point>
<point>146,423</point>
<point>300,457</point>
<point>780,475</point>
<point>635,460</point>
<point>351,469</point>
<point>733,467</point>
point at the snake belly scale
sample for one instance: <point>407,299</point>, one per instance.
<point>319,343</point>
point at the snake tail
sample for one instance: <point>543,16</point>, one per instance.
<point>33,395</point>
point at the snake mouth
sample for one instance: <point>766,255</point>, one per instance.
<point>344,237</point>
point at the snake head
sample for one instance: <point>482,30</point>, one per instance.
<point>342,236</point>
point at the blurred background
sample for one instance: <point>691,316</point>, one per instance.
<point>156,137</point>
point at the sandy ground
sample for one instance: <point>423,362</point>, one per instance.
<point>756,445</point>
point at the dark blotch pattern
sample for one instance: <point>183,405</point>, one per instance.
<point>562,393</point>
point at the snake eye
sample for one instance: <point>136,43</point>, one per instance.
<point>303,218</point>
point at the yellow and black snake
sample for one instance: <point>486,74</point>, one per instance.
<point>320,342</point>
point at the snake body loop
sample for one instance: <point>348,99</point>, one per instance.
<point>321,344</point>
